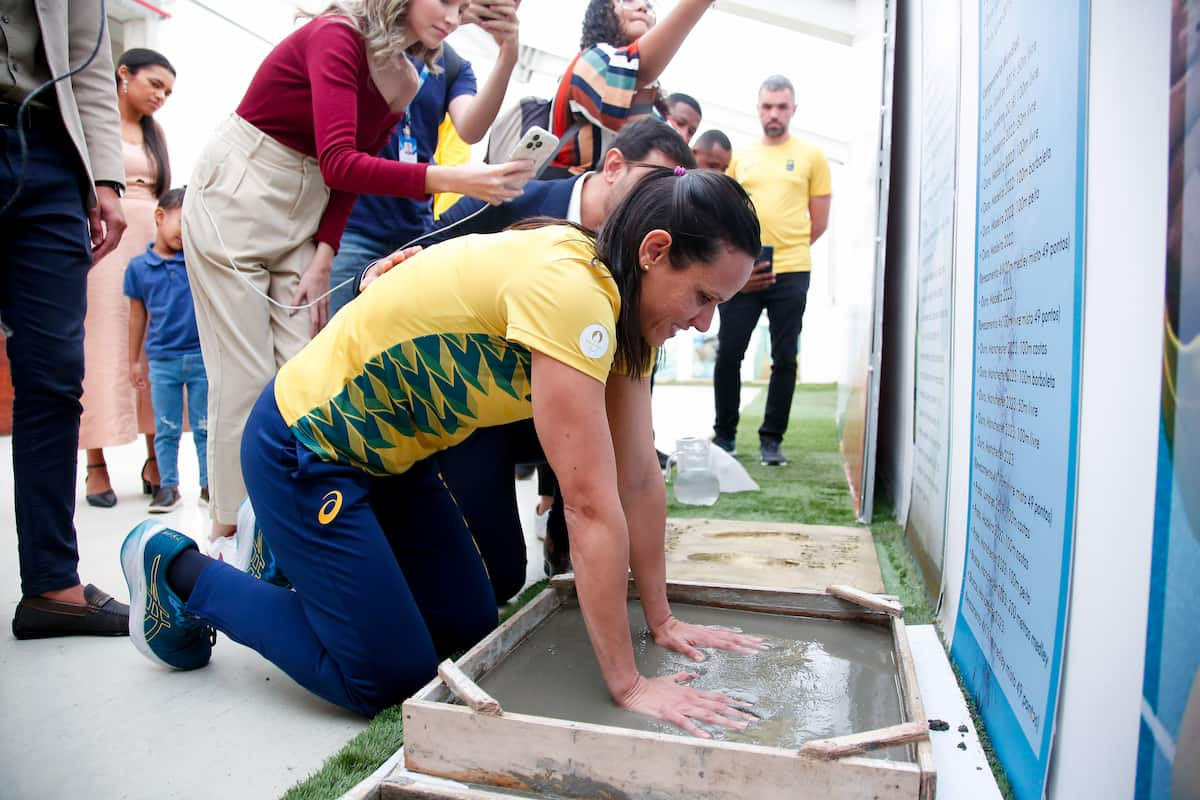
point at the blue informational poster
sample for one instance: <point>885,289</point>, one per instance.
<point>1008,639</point>
<point>1169,742</point>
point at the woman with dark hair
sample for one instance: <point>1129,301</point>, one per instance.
<point>113,412</point>
<point>595,97</point>
<point>540,321</point>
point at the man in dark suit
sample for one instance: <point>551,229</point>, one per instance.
<point>586,199</point>
<point>479,471</point>
<point>59,211</point>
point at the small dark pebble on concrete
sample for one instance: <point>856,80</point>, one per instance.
<point>939,725</point>
<point>962,728</point>
<point>962,745</point>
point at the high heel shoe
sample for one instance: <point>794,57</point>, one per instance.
<point>148,487</point>
<point>105,499</point>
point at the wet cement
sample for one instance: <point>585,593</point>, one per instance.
<point>820,678</point>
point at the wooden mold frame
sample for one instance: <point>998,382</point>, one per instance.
<point>492,752</point>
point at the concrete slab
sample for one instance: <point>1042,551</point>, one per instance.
<point>777,554</point>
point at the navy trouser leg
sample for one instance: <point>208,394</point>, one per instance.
<point>44,260</point>
<point>739,315</point>
<point>479,472</point>
<point>354,630</point>
<point>785,302</point>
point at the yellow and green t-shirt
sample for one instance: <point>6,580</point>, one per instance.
<point>780,179</point>
<point>440,346</point>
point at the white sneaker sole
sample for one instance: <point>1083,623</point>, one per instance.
<point>133,560</point>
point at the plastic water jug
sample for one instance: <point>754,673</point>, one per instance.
<point>695,482</point>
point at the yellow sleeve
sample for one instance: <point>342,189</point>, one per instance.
<point>819,182</point>
<point>564,311</point>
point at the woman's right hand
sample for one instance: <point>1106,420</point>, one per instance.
<point>491,183</point>
<point>382,265</point>
<point>667,698</point>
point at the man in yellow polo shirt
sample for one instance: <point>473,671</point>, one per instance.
<point>788,180</point>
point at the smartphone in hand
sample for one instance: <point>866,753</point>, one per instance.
<point>537,145</point>
<point>767,254</point>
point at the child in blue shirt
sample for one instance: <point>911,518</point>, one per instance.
<point>156,284</point>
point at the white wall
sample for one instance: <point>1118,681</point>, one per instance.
<point>1098,721</point>
<point>215,61</point>
<point>899,332</point>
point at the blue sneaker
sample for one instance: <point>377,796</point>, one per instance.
<point>252,553</point>
<point>158,624</point>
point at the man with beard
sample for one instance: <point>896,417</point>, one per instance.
<point>788,180</point>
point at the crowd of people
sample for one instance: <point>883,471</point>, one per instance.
<point>359,406</point>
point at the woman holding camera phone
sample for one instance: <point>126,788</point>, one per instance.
<point>594,99</point>
<point>270,195</point>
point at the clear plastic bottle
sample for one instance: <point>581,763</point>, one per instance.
<point>695,482</point>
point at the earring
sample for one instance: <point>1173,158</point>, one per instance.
<point>125,85</point>
<point>645,267</point>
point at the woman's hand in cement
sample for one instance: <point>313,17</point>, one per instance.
<point>683,637</point>
<point>666,698</point>
<point>378,268</point>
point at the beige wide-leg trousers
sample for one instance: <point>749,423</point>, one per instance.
<point>255,203</point>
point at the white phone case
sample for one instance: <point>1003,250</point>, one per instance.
<point>537,145</point>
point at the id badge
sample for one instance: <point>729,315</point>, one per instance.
<point>407,147</point>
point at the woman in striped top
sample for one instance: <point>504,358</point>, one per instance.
<point>614,79</point>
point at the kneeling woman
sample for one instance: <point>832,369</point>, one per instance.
<point>480,331</point>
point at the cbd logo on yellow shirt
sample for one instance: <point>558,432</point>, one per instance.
<point>330,507</point>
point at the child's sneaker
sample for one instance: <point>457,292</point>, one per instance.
<point>158,624</point>
<point>166,499</point>
<point>252,554</point>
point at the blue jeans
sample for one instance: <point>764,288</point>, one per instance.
<point>355,251</point>
<point>44,263</point>
<point>168,378</point>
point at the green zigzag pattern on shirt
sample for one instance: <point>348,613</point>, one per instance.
<point>429,385</point>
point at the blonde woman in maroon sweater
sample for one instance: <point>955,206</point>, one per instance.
<point>270,195</point>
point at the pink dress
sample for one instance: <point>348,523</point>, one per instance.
<point>114,413</point>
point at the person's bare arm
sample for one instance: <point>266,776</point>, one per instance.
<point>473,115</point>
<point>491,183</point>
<point>644,502</point>
<point>137,338</point>
<point>660,44</point>
<point>818,212</point>
<point>569,415</point>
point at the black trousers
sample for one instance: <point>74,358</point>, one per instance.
<point>479,473</point>
<point>45,255</point>
<point>784,303</point>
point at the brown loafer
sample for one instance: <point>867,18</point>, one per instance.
<point>40,618</point>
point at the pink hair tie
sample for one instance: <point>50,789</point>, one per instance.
<point>680,172</point>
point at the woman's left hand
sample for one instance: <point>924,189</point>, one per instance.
<point>313,284</point>
<point>683,637</point>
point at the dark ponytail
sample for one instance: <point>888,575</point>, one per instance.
<point>702,210</point>
<point>153,140</point>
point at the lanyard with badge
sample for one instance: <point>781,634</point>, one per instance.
<point>406,145</point>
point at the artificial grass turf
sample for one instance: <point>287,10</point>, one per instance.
<point>811,489</point>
